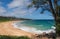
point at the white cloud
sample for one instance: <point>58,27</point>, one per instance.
<point>2,10</point>
<point>22,12</point>
<point>17,8</point>
<point>0,3</point>
<point>16,3</point>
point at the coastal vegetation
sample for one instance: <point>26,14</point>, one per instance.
<point>4,19</point>
<point>51,6</point>
<point>13,37</point>
<point>48,5</point>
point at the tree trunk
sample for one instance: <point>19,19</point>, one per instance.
<point>55,15</point>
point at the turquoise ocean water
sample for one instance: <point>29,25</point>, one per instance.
<point>39,24</point>
<point>36,25</point>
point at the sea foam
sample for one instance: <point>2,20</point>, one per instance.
<point>32,29</point>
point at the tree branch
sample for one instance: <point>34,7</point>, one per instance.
<point>56,7</point>
<point>52,9</point>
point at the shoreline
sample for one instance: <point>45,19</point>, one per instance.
<point>33,30</point>
<point>6,28</point>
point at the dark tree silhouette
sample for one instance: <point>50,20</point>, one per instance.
<point>51,6</point>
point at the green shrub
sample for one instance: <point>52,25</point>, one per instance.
<point>4,19</point>
<point>58,29</point>
<point>23,37</point>
<point>13,37</point>
<point>4,37</point>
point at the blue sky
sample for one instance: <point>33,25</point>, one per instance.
<point>18,8</point>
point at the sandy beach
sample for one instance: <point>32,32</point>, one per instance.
<point>6,28</point>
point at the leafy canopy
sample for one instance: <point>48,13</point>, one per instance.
<point>44,4</point>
